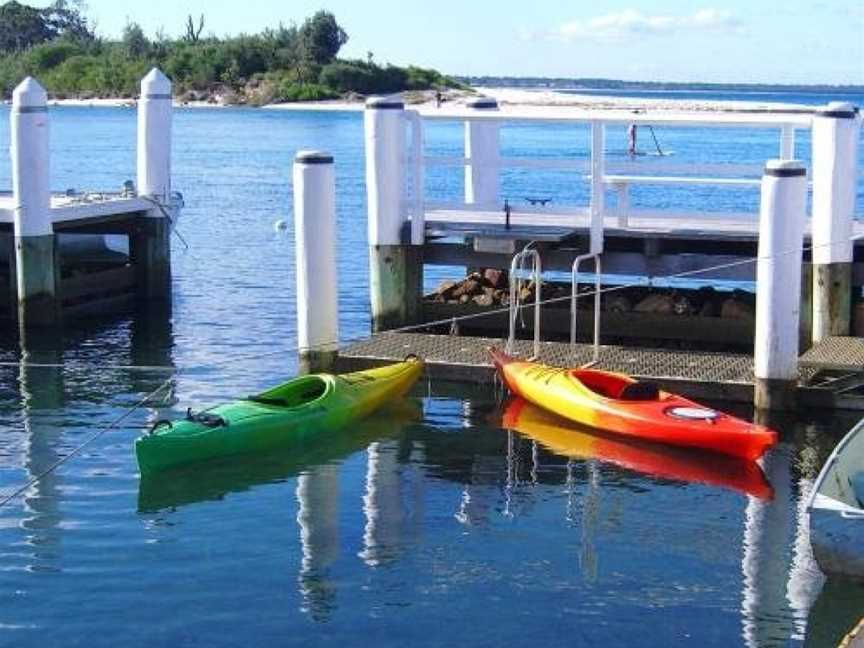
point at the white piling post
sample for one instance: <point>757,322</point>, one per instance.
<point>154,138</point>
<point>35,246</point>
<point>394,268</point>
<point>778,283</point>
<point>836,132</point>
<point>150,245</point>
<point>315,258</point>
<point>482,148</point>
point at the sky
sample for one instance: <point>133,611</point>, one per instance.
<point>736,41</point>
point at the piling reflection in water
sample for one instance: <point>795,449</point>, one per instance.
<point>393,504</point>
<point>41,394</point>
<point>317,516</point>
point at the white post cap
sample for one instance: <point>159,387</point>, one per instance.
<point>313,157</point>
<point>155,85</point>
<point>385,103</point>
<point>29,93</point>
<point>838,109</point>
<point>482,103</point>
<point>784,168</point>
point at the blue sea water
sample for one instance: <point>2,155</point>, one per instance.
<point>429,524</point>
<point>800,97</point>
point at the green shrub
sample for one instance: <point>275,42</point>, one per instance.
<point>305,92</point>
<point>51,54</point>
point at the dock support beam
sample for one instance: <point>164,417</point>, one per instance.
<point>37,268</point>
<point>315,258</point>
<point>150,244</point>
<point>482,182</point>
<point>395,267</point>
<point>836,130</point>
<point>778,284</point>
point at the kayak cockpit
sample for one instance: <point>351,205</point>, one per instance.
<point>295,393</point>
<point>616,386</point>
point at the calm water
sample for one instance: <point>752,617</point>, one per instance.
<point>428,524</point>
<point>807,98</point>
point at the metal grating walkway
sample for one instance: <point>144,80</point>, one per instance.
<point>836,354</point>
<point>707,374</point>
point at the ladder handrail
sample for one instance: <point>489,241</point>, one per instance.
<point>574,300</point>
<point>517,265</point>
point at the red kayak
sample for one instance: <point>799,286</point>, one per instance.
<point>617,403</point>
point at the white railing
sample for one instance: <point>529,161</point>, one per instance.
<point>597,170</point>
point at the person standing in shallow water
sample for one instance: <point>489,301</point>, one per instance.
<point>631,139</point>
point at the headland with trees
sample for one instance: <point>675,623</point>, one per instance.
<point>296,62</point>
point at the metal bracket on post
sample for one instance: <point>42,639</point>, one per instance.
<point>574,301</point>
<point>517,266</point>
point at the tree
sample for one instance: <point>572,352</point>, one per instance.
<point>21,27</point>
<point>193,34</point>
<point>66,19</point>
<point>134,41</point>
<point>321,38</point>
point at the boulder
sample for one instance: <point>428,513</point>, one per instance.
<point>483,300</point>
<point>497,278</point>
<point>657,303</point>
<point>734,308</point>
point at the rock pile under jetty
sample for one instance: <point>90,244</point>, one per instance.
<point>490,287</point>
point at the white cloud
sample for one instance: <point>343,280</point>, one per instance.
<point>631,23</point>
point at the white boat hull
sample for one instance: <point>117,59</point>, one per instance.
<point>835,512</point>
<point>837,537</point>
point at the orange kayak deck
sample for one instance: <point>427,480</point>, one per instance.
<point>619,404</point>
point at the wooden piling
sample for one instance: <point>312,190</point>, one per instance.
<point>150,243</point>
<point>150,254</point>
<point>482,181</point>
<point>36,264</point>
<point>836,131</point>
<point>315,258</point>
<point>805,321</point>
<point>778,289</point>
<point>395,266</point>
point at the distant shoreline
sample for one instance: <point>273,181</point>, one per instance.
<point>506,96</point>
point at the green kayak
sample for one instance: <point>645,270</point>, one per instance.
<point>189,484</point>
<point>292,412</point>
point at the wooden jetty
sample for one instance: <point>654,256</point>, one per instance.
<point>89,253</point>
<point>805,266</point>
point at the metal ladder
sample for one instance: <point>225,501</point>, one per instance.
<point>517,266</point>
<point>574,301</point>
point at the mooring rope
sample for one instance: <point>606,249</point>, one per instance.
<point>75,451</point>
<point>167,215</point>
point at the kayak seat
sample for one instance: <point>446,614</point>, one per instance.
<point>640,390</point>
<point>295,393</point>
<point>264,400</point>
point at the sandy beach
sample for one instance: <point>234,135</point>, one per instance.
<point>508,98</point>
